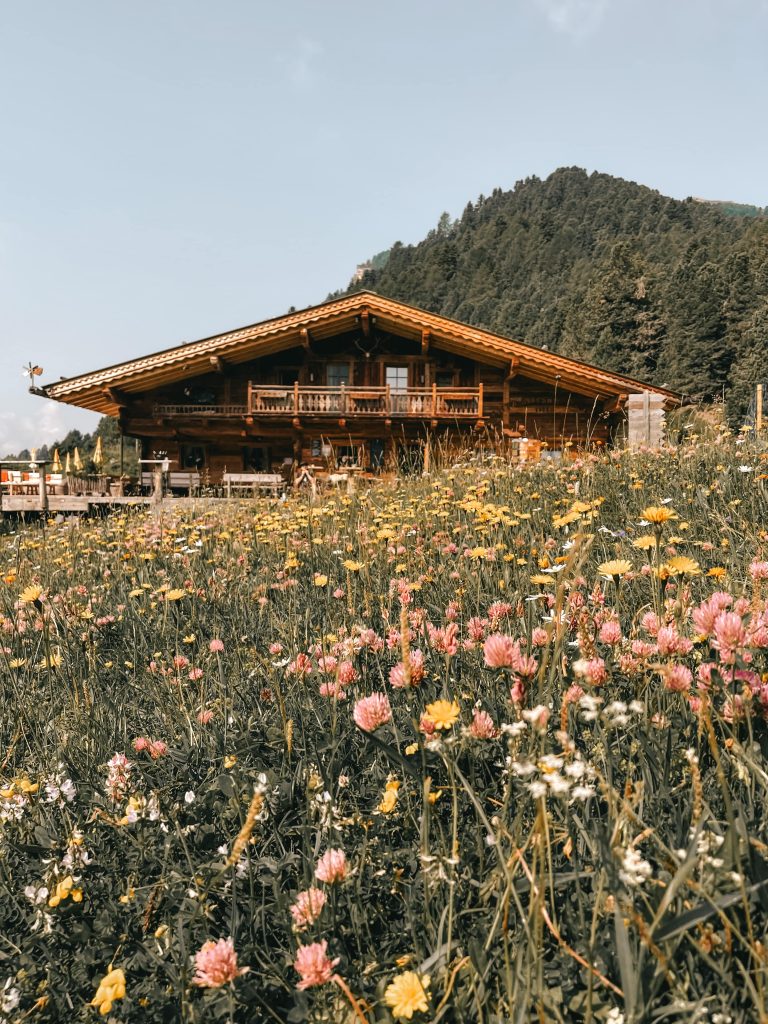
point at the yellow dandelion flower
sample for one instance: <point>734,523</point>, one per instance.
<point>718,572</point>
<point>175,595</point>
<point>320,580</point>
<point>351,566</point>
<point>54,661</point>
<point>541,580</point>
<point>658,514</point>
<point>681,565</point>
<point>616,567</point>
<point>30,595</point>
<point>407,994</point>
<point>443,713</point>
<point>645,542</point>
<point>230,760</point>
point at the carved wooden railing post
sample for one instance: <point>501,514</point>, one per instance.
<point>343,399</point>
<point>386,401</point>
<point>480,401</point>
<point>296,398</point>
<point>434,400</point>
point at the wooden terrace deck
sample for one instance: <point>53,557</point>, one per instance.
<point>67,502</point>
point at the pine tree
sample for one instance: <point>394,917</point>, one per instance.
<point>695,358</point>
<point>619,323</point>
<point>750,367</point>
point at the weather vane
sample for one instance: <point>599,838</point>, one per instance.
<point>31,370</point>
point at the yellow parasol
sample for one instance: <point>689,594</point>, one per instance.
<point>56,464</point>
<point>98,455</point>
<point>67,464</point>
<point>76,460</point>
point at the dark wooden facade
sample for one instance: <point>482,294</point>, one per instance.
<point>359,381</point>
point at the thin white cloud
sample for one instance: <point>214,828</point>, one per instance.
<point>577,18</point>
<point>300,65</point>
<point>19,431</point>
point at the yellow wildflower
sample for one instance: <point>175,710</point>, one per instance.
<point>658,514</point>
<point>407,994</point>
<point>645,542</point>
<point>30,595</point>
<point>681,565</point>
<point>111,988</point>
<point>65,888</point>
<point>616,567</point>
<point>389,800</point>
<point>320,580</point>
<point>443,713</point>
<point>352,566</point>
<point>175,595</point>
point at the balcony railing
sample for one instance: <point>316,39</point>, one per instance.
<point>347,400</point>
<point>190,409</point>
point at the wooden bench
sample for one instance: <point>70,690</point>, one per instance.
<point>176,481</point>
<point>273,483</point>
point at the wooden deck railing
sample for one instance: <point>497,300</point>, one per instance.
<point>199,410</point>
<point>348,400</point>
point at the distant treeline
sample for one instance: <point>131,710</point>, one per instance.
<point>108,430</point>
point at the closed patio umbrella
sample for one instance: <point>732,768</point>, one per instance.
<point>56,464</point>
<point>67,464</point>
<point>76,460</point>
<point>98,455</point>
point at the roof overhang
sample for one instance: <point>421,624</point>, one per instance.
<point>108,390</point>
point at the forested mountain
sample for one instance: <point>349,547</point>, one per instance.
<point>602,269</point>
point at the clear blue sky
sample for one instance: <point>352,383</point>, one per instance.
<point>174,168</point>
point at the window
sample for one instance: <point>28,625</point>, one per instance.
<point>337,374</point>
<point>192,456</point>
<point>397,378</point>
<point>444,378</point>
<point>347,455</point>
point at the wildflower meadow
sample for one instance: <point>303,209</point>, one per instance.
<point>488,745</point>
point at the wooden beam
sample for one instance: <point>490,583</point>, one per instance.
<point>513,369</point>
<point>306,340</point>
<point>425,337</point>
<point>220,365</point>
<point>617,405</point>
<point>117,397</point>
<point>365,323</point>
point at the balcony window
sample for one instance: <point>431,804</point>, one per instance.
<point>397,378</point>
<point>337,374</point>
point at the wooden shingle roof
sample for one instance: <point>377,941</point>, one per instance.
<point>97,390</point>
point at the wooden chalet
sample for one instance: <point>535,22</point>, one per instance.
<point>362,381</point>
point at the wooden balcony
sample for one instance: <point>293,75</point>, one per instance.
<point>349,401</point>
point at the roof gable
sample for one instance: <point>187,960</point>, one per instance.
<point>98,390</point>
